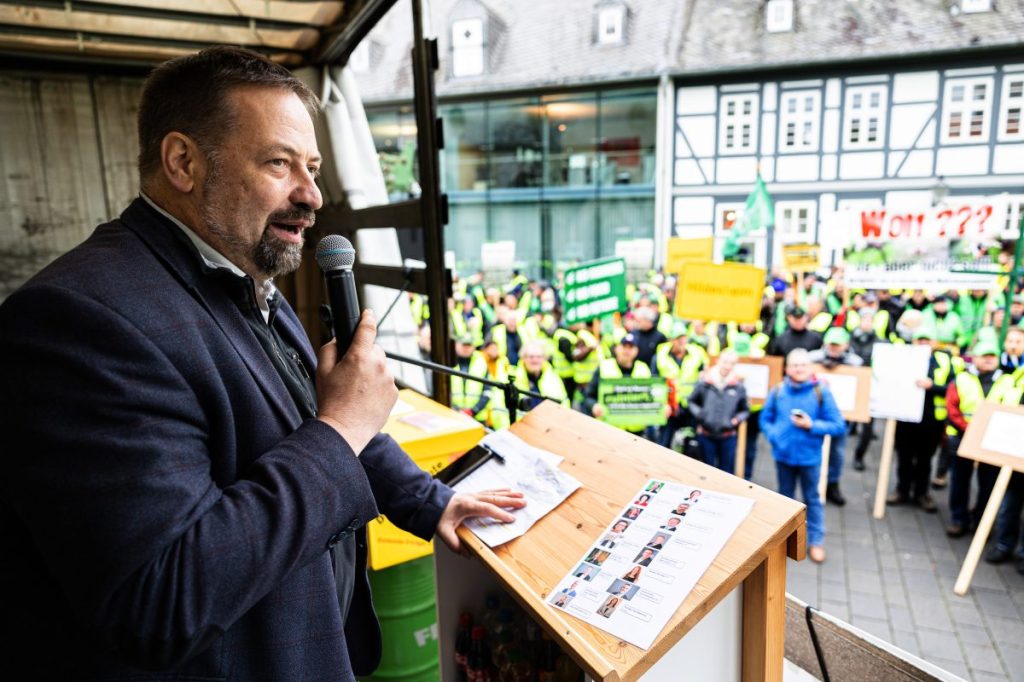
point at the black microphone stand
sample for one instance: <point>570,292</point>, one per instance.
<point>511,391</point>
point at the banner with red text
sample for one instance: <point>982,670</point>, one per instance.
<point>925,249</point>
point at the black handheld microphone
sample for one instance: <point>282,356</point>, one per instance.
<point>335,256</point>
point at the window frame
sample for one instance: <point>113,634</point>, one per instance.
<point>458,48</point>
<point>808,235</point>
<point>800,120</point>
<point>864,114</point>
<point>965,110</point>
<point>738,120</point>
<point>778,16</point>
<point>619,22</point>
<point>1005,106</point>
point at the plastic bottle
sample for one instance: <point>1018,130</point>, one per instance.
<point>566,670</point>
<point>516,668</point>
<point>478,663</point>
<point>463,643</point>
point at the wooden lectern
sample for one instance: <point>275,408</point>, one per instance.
<point>730,627</point>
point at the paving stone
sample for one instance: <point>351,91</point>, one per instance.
<point>1013,659</point>
<point>876,626</point>
<point>840,610</point>
<point>1005,630</point>
<point>869,605</point>
<point>900,618</point>
<point>865,581</point>
<point>958,668</point>
<point>995,603</point>
<point>970,636</point>
<point>965,613</point>
<point>932,614</point>
<point>984,658</point>
<point>921,582</point>
<point>907,641</point>
<point>938,643</point>
<point>804,588</point>
<point>834,591</point>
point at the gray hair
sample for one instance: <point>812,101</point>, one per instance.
<point>798,355</point>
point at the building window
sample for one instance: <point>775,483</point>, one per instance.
<point>799,121</point>
<point>467,47</point>
<point>795,221</point>
<point>865,117</point>
<point>610,24</point>
<point>1010,128</point>
<point>970,6</point>
<point>966,110</point>
<point>778,16</point>
<point>737,124</point>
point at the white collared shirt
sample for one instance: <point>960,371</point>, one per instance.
<point>213,258</point>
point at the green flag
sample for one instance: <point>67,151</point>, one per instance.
<point>758,214</point>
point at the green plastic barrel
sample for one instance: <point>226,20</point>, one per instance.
<point>404,597</point>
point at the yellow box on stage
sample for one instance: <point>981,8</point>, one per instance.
<point>434,436</point>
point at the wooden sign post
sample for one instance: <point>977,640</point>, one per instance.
<point>884,468</point>
<point>992,437</point>
<point>741,449</point>
<point>851,388</point>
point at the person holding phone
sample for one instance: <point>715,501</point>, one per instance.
<point>797,416</point>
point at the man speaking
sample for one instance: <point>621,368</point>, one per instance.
<point>185,486</point>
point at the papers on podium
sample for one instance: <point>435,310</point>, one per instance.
<point>637,573</point>
<point>532,471</point>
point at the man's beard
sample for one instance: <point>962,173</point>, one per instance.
<point>271,256</point>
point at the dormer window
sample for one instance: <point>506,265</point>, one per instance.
<point>778,16</point>
<point>972,6</point>
<point>610,24</point>
<point>467,47</point>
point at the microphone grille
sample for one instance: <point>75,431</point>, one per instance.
<point>334,252</point>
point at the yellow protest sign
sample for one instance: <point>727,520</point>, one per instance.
<point>681,251</point>
<point>727,292</point>
<point>798,258</point>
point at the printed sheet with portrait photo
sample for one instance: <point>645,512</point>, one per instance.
<point>631,588</point>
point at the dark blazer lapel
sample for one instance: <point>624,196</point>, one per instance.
<point>172,247</point>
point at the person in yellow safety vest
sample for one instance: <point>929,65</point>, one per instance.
<point>819,320</point>
<point>699,334</point>
<point>747,339</point>
<point>654,296</point>
<point>916,442</point>
<point>1009,540</point>
<point>561,345</point>
<point>947,324</point>
<point>498,369</point>
<point>983,380</point>
<point>507,336</point>
<point>624,363</point>
<point>612,335</point>
<point>680,361</point>
<point>468,321</point>
<point>586,357</point>
<point>533,373</point>
<point>419,308</point>
<point>470,397</point>
<point>747,345</point>
<point>518,284</point>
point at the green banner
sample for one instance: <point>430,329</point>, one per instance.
<point>633,403</point>
<point>594,289</point>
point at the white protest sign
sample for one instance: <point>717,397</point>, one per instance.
<point>895,370</point>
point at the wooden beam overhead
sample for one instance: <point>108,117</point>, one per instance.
<point>322,13</point>
<point>166,29</point>
<point>113,50</point>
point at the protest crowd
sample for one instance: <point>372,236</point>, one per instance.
<point>516,332</point>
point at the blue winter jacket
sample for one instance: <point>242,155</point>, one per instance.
<point>791,444</point>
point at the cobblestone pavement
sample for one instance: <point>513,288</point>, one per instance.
<point>894,578</point>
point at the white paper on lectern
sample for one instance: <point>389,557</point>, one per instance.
<point>630,583</point>
<point>894,371</point>
<point>526,469</point>
<point>1004,433</point>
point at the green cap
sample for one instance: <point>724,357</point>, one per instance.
<point>925,331</point>
<point>741,344</point>
<point>837,336</point>
<point>984,347</point>
<point>464,338</point>
<point>678,329</point>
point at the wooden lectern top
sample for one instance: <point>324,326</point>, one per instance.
<point>612,464</point>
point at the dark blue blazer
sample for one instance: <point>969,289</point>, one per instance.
<point>165,512</point>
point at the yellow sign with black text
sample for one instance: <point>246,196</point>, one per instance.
<point>726,292</point>
<point>682,251</point>
<point>801,258</point>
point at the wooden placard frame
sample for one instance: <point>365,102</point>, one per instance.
<point>612,464</point>
<point>774,364</point>
<point>970,444</point>
<point>862,411</point>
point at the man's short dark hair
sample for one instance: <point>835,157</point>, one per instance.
<point>189,95</point>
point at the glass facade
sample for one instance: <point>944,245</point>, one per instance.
<point>563,175</point>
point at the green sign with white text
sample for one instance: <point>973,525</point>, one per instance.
<point>633,404</point>
<point>594,289</point>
